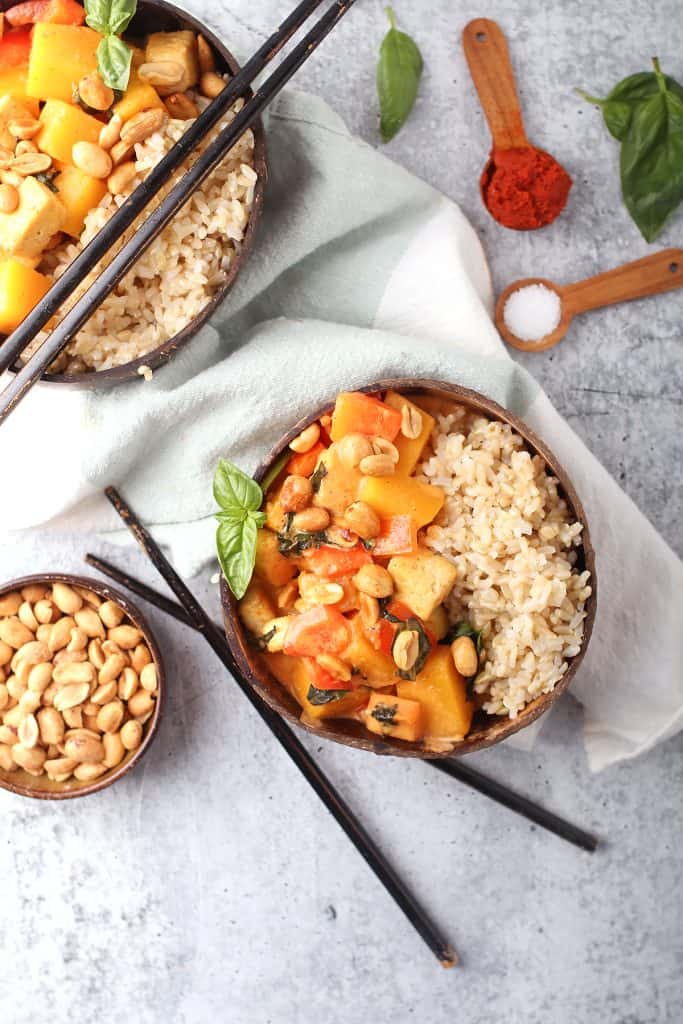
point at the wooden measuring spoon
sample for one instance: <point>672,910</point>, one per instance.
<point>488,58</point>
<point>661,272</point>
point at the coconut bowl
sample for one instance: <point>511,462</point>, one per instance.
<point>487,730</point>
<point>159,16</point>
<point>42,788</point>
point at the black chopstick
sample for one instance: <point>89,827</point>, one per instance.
<point>455,769</point>
<point>339,809</point>
<point>111,233</point>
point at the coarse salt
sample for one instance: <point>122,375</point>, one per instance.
<point>532,312</point>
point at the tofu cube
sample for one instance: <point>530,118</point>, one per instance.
<point>39,216</point>
<point>179,47</point>
<point>422,581</point>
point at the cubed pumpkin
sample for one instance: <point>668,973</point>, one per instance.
<point>396,717</point>
<point>358,413</point>
<point>410,449</point>
<point>442,693</point>
<point>138,96</point>
<point>60,56</point>
<point>13,83</point>
<point>402,496</point>
<point>293,674</point>
<point>80,194</point>
<point>375,667</point>
<point>63,125</point>
<point>21,288</point>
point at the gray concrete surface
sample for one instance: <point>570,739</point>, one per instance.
<point>209,885</point>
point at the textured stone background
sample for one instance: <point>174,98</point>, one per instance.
<point>209,885</point>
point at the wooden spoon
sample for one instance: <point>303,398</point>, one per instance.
<point>488,58</point>
<point>661,272</point>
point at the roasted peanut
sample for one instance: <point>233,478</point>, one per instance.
<point>11,603</point>
<point>78,641</point>
<point>94,93</point>
<point>211,84</point>
<point>304,441</point>
<point>311,520</point>
<point>6,653</point>
<point>121,177</point>
<point>140,703</point>
<point>377,465</point>
<point>369,610</point>
<point>207,61</point>
<point>66,599</point>
<point>33,592</point>
<point>142,125</point>
<point>30,759</point>
<point>28,731</point>
<point>7,762</point>
<point>110,717</point>
<point>125,637</point>
<point>374,580</point>
<point>87,772</point>
<point>114,750</point>
<point>70,696</point>
<point>110,133</point>
<point>180,107</point>
<point>84,748</point>
<point>89,621</point>
<point>296,493</point>
<point>74,674</point>
<point>315,591</point>
<point>128,683</point>
<point>411,422</point>
<point>25,615</point>
<point>380,446</point>
<point>51,726</point>
<point>92,159</point>
<point>24,127</point>
<point>121,151</point>
<point>103,695</point>
<point>40,677</point>
<point>59,769</point>
<point>4,697</point>
<point>44,611</point>
<point>73,717</point>
<point>465,657</point>
<point>60,633</point>
<point>406,649</point>
<point>362,519</point>
<point>352,448</point>
<point>140,657</point>
<point>9,198</point>
<point>148,678</point>
<point>96,655</point>
<point>131,735</point>
<point>14,633</point>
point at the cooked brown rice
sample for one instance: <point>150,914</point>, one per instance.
<point>177,276</point>
<point>509,533</point>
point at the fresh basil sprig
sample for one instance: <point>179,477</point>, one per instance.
<point>111,18</point>
<point>398,76</point>
<point>239,519</point>
<point>645,113</point>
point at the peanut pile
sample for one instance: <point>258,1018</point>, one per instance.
<point>77,683</point>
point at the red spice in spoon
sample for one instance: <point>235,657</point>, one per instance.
<point>524,188</point>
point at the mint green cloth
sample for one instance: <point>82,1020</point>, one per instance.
<point>360,271</point>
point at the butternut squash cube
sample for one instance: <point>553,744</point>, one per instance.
<point>13,83</point>
<point>79,194</point>
<point>402,496</point>
<point>256,609</point>
<point>39,215</point>
<point>376,668</point>
<point>422,581</point>
<point>21,288</point>
<point>138,96</point>
<point>442,693</point>
<point>394,716</point>
<point>338,488</point>
<point>409,449</point>
<point>270,565</point>
<point>292,673</point>
<point>62,126</point>
<point>60,56</point>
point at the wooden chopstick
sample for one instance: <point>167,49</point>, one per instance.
<point>455,769</point>
<point>335,804</point>
<point>115,228</point>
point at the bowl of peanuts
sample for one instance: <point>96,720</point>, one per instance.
<point>81,686</point>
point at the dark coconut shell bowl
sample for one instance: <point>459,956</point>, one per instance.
<point>43,788</point>
<point>159,16</point>
<point>486,730</point>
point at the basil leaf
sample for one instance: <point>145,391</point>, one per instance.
<point>652,160</point>
<point>619,105</point>
<point>398,76</point>
<point>234,491</point>
<point>120,15</point>
<point>236,546</point>
<point>97,15</point>
<point>385,713</point>
<point>319,697</point>
<point>114,61</point>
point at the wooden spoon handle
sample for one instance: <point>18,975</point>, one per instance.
<point>488,57</point>
<point>661,272</point>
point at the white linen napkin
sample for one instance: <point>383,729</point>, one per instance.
<point>360,271</point>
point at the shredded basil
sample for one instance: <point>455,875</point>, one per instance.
<point>463,629</point>
<point>318,477</point>
<point>318,697</point>
<point>47,178</point>
<point>385,713</point>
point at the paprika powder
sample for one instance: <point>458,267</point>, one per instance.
<point>524,188</point>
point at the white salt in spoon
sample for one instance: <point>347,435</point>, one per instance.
<point>534,314</point>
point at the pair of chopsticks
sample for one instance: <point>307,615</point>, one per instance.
<point>112,232</point>
<point>191,613</point>
<point>455,769</point>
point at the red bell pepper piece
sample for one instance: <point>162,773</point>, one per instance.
<point>332,562</point>
<point>397,536</point>
<point>53,12</point>
<point>304,464</point>
<point>321,630</point>
<point>322,679</point>
<point>15,48</point>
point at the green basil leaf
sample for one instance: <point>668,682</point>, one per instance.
<point>618,106</point>
<point>113,61</point>
<point>120,15</point>
<point>652,160</point>
<point>97,15</point>
<point>319,697</point>
<point>236,546</point>
<point>234,491</point>
<point>398,76</point>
